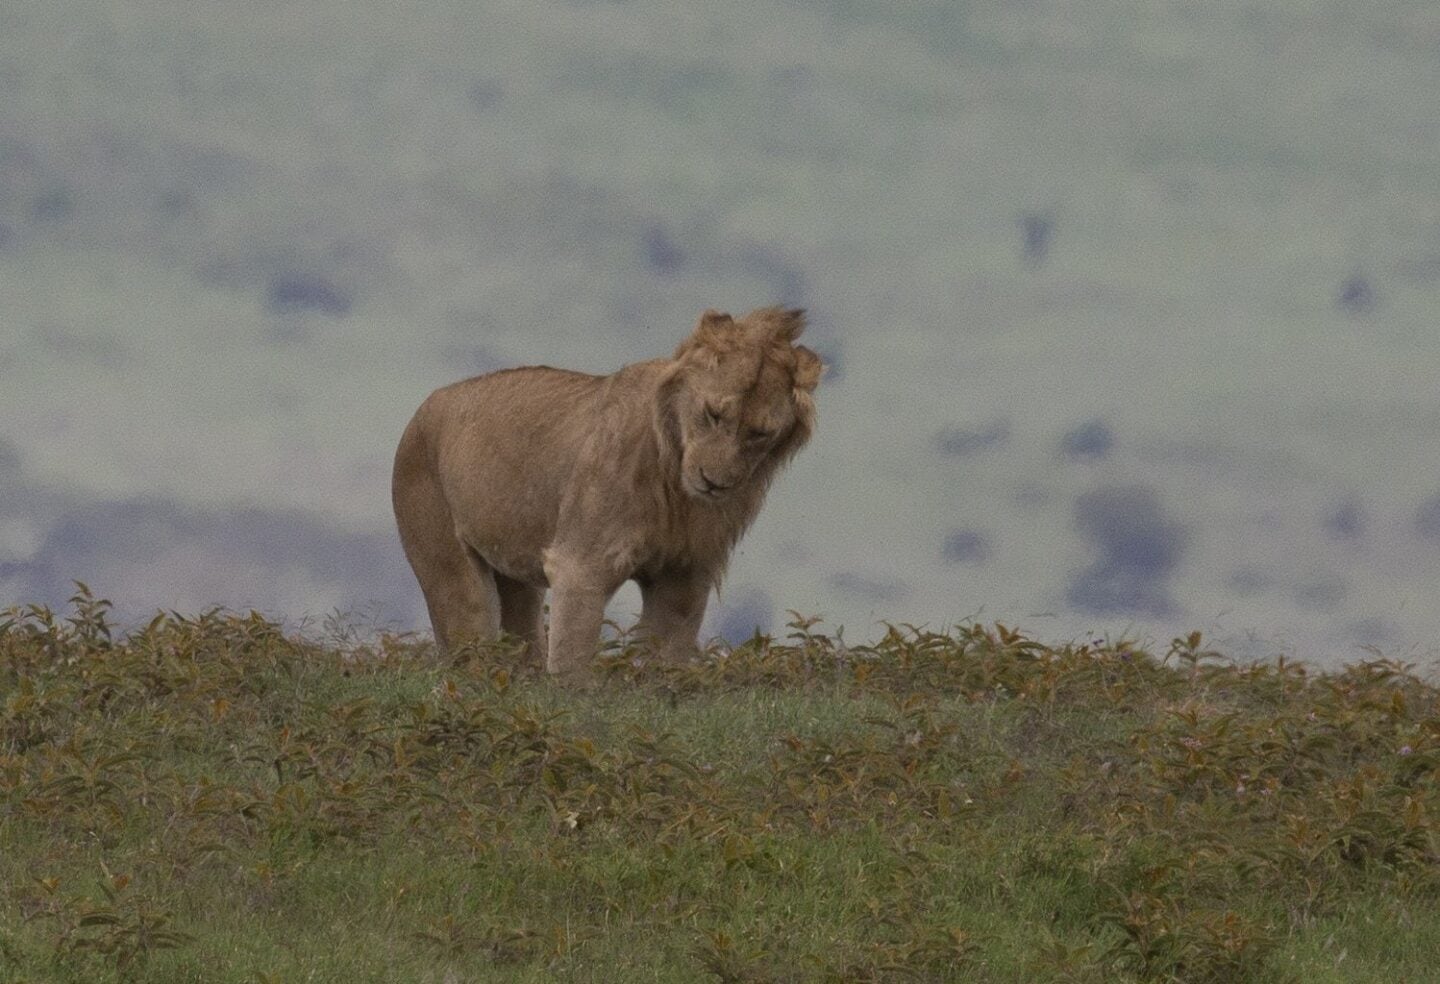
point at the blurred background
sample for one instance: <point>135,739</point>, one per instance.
<point>1131,308</point>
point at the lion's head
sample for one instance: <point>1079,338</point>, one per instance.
<point>736,402</point>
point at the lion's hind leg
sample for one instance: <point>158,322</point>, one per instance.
<point>460,595</point>
<point>459,588</point>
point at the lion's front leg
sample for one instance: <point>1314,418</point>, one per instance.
<point>577,610</point>
<point>576,613</point>
<point>672,608</point>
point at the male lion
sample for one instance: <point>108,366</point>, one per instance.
<point>526,478</point>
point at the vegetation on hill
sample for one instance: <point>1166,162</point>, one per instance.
<point>212,799</point>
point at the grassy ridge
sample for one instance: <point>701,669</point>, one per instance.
<point>211,800</point>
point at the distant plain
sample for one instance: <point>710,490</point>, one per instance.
<point>1131,307</point>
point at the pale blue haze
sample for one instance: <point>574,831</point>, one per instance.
<point>1133,308</point>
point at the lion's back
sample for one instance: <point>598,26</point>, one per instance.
<point>526,411</point>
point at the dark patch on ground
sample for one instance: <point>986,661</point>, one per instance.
<point>663,255</point>
<point>1036,231</point>
<point>739,615</point>
<point>1346,521</point>
<point>291,293</point>
<point>144,554</point>
<point>1248,581</point>
<point>176,202</point>
<point>77,346</point>
<point>1138,549</point>
<point>55,205</point>
<point>961,442</point>
<point>1357,296</point>
<point>879,590</point>
<point>485,94</point>
<point>965,547</point>
<point>1320,593</point>
<point>1089,441</point>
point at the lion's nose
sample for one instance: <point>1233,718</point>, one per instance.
<point>710,484</point>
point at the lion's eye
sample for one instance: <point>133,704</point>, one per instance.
<point>712,415</point>
<point>758,434</point>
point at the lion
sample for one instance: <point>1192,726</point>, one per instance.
<point>532,478</point>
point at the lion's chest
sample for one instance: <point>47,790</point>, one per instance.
<point>700,541</point>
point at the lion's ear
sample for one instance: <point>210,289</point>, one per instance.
<point>790,323</point>
<point>713,320</point>
<point>709,333</point>
<point>714,331</point>
<point>782,324</point>
<point>808,368</point>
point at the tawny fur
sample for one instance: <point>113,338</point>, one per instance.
<point>524,479</point>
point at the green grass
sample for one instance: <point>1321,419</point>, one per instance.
<point>209,799</point>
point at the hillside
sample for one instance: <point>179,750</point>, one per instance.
<point>209,799</point>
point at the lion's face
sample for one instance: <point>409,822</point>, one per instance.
<point>741,400</point>
<point>729,426</point>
